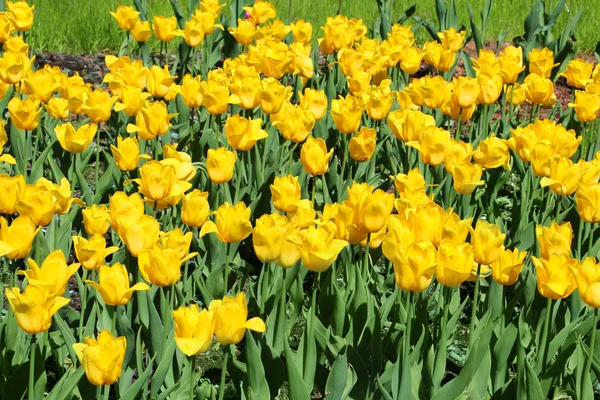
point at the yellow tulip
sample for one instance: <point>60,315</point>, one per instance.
<point>586,105</point>
<point>190,91</point>
<point>38,203</point>
<point>194,329</point>
<point>587,277</point>
<point>25,115</point>
<point>124,207</point>
<point>466,91</point>
<point>379,100</point>
<point>372,208</point>
<point>588,202</point>
<point>127,154</point>
<point>347,113</point>
<point>432,91</point>
<point>141,31</point>
<point>57,107</point>
<point>410,61</point>
<point>126,17</point>
<point>454,229</point>
<point>578,73</point>
<point>408,125</point>
<point>20,14</point>
<point>508,266</point>
<point>220,164</point>
<point>180,160</point>
<point>215,96</point>
<point>165,29</point>
<point>486,64</point>
<point>555,239</point>
<point>193,32</point>
<point>159,81</point>
<point>268,236</point>
<point>487,241</point>
<point>6,27</point>
<point>75,141</point>
<point>14,66</point>
<point>490,88</point>
<point>156,180</point>
<point>153,120</point>
<point>178,241</point>
<point>451,39</point>
<point>456,154</point>
<point>132,101</point>
<point>242,133</point>
<point>492,152</point>
<point>16,240</point>
<point>541,62</point>
<point>432,145</point>
<point>294,122</point>
<point>91,253</point>
<point>272,95</point>
<point>314,156</point>
<point>195,208</point>
<point>261,11</point>
<point>244,33</point>
<point>554,277</point>
<point>233,223</point>
<point>455,263</point>
<point>34,308</point>
<point>113,285</point>
<point>510,61</point>
<point>54,272</point>
<point>97,105</point>
<point>10,187</point>
<point>230,316</point>
<point>564,176</point>
<point>102,359</point>
<point>428,220</point>
<point>207,20</point>
<point>302,31</point>
<point>362,145</point>
<point>140,234</point>
<point>467,177</point>
<point>285,193</point>
<point>245,91</point>
<point>40,84</point>
<point>96,219</point>
<point>161,266</point>
<point>539,90</point>
<point>414,270</point>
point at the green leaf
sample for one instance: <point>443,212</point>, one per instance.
<point>166,363</point>
<point>296,386</point>
<point>135,389</point>
<point>255,370</point>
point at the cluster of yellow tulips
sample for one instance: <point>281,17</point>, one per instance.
<point>353,195</point>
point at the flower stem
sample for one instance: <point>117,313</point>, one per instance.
<point>365,265</point>
<point>223,372</point>
<point>97,165</point>
<point>106,391</point>
<point>474,309</point>
<point>31,383</point>
<point>545,333</point>
<point>192,361</point>
<point>226,270</point>
<point>407,330</point>
<point>588,361</point>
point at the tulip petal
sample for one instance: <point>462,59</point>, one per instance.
<point>256,324</point>
<point>208,227</point>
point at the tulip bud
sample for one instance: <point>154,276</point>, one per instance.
<point>314,156</point>
<point>455,263</point>
<point>220,164</point>
<point>588,281</point>
<point>487,242</point>
<point>194,329</point>
<point>195,208</point>
<point>362,145</point>
<point>230,316</point>
<point>102,359</point>
<point>508,266</point>
<point>232,223</point>
<point>414,270</point>
<point>268,236</point>
<point>555,279</point>
<point>285,193</point>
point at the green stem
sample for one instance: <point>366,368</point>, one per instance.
<point>291,159</point>
<point>591,242</point>
<point>314,190</point>
<point>113,327</point>
<point>226,270</point>
<point>365,265</point>
<point>408,327</point>
<point>97,166</point>
<point>474,309</point>
<point>31,383</point>
<point>82,300</point>
<point>458,126</point>
<point>545,333</point>
<point>223,372</point>
<point>443,339</point>
<point>590,356</point>
<point>192,361</point>
<point>106,391</point>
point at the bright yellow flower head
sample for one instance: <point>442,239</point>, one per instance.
<point>511,63</point>
<point>586,105</point>
<point>75,141</point>
<point>25,115</point>
<point>16,240</point>
<point>194,329</point>
<point>302,31</point>
<point>243,133</point>
<point>141,31</point>
<point>451,39</point>
<point>114,285</point>
<point>190,91</point>
<point>14,66</point>
<point>38,203</point>
<point>261,11</point>
<point>220,164</point>
<point>54,272</point>
<point>58,107</point>
<point>508,266</point>
<point>588,202</point>
<point>466,91</point>
<point>454,263</point>
<point>132,100</point>
<point>91,253</point>
<point>6,27</point>
<point>347,112</point>
<point>40,84</point>
<point>245,31</point>
<point>162,266</point>
<point>268,236</point>
<point>193,32</point>
<point>541,62</point>
<point>408,125</point>
<point>362,145</point>
<point>285,193</point>
<point>564,176</point>
<point>539,90</point>
<point>153,120</point>
<point>587,277</point>
<point>432,145</point>
<point>156,180</point>
<point>102,359</point>
<point>195,208</point>
<point>414,269</point>
<point>165,29</point>
<point>319,248</point>
<point>492,152</point>
<point>178,241</point>
<point>10,187</point>
<point>490,88</point>
<point>126,17</point>
<point>272,95</point>
<point>411,60</point>
<point>160,81</point>
<point>20,14</point>
<point>314,156</point>
<point>215,96</point>
<point>233,223</point>
<point>140,234</point>
<point>467,177</point>
<point>34,308</point>
<point>578,73</point>
<point>555,239</point>
<point>554,277</point>
<point>230,315</point>
<point>97,105</point>
<point>127,153</point>
<point>487,241</point>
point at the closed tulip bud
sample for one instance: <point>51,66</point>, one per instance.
<point>555,239</point>
<point>541,62</point>
<point>285,193</point>
<point>408,125</point>
<point>564,176</point>
<point>193,33</point>
<point>132,101</point>
<point>53,272</point>
<point>102,359</point>
<point>432,145</point>
<point>268,236</point>
<point>141,31</point>
<point>139,235</point>
<point>466,91</point>
<point>511,63</point>
<point>96,219</point>
<point>91,253</point>
<point>586,105</point>
<point>539,90</point>
<point>162,266</point>
<point>58,108</point>
<point>126,17</point>
<point>127,154</point>
<point>490,88</point>
<point>492,152</point>
<point>487,241</point>
<point>272,95</point>
<point>34,308</point>
<point>10,187</point>
<point>195,208</point>
<point>165,29</point>
<point>588,202</point>
<point>411,60</point>
<point>6,27</point>
<point>20,14</point>
<point>243,133</point>
<point>230,316</point>
<point>190,89</point>
<point>25,115</point>
<point>194,329</point>
<point>97,105</point>
<point>467,177</point>
<point>114,286</point>
<point>245,91</point>
<point>37,203</point>
<point>302,31</point>
<point>233,223</point>
<point>347,113</point>
<point>156,180</point>
<point>215,96</point>
<point>314,156</point>
<point>578,73</point>
<point>362,145</point>
<point>555,279</point>
<point>124,207</point>
<point>245,32</point>
<point>454,263</point>
<point>508,266</point>
<point>16,240</point>
<point>319,248</point>
<point>75,141</point>
<point>220,164</point>
<point>587,277</point>
<point>451,39</point>
<point>414,270</point>
<point>294,122</point>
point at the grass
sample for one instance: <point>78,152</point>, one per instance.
<point>84,26</point>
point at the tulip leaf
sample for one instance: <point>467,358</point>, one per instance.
<point>37,171</point>
<point>66,385</point>
<point>67,335</point>
<point>296,385</point>
<point>165,364</point>
<point>135,389</point>
<point>106,180</point>
<point>255,371</point>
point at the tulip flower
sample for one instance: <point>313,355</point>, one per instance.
<point>193,32</point>
<point>156,180</point>
<point>487,242</point>
<point>586,106</point>
<point>490,88</point>
<point>195,208</point>
<point>102,359</point>
<point>455,263</point>
<point>451,39</point>
<point>492,152</point>
<point>268,236</point>
<point>379,100</point>
<point>466,91</point>
<point>588,202</point>
<point>139,234</point>
<point>467,177</point>
<point>57,107</point>
<point>315,157</point>
<point>38,203</point>
<point>91,253</point>
<point>245,91</point>
<point>413,181</point>
<point>96,219</point>
<point>161,266</point>
<point>233,223</point>
<point>20,14</point>
<point>14,67</point>
<point>75,141</point>
<point>539,90</point>
<point>40,84</point>
<point>578,73</point>
<point>510,61</point>
<point>432,145</point>
<point>587,277</point>
<point>132,100</point>
<point>541,62</point>
<point>432,91</point>
<point>10,187</point>
<point>414,270</point>
<point>261,11</point>
<point>454,229</point>
<point>34,308</point>
<point>457,153</point>
<point>245,32</point>
<point>114,285</point>
<point>428,220</point>
<point>555,239</point>
<point>141,31</point>
<point>319,248</point>
<point>372,208</point>
<point>152,121</point>
<point>486,64</point>
<point>554,277</point>
<point>564,176</point>
<point>123,207</point>
<point>25,115</point>
<point>165,29</point>
<point>159,81</point>
<point>126,17</point>
<point>215,96</point>
<point>220,164</point>
<point>285,193</point>
<point>16,240</point>
<point>362,145</point>
<point>230,316</point>
<point>508,266</point>
<point>127,154</point>
<point>211,6</point>
<point>6,27</point>
<point>97,105</point>
<point>408,125</point>
<point>178,241</point>
<point>315,101</point>
<point>194,329</point>
<point>243,133</point>
<point>272,95</point>
<point>347,113</point>
<point>411,60</point>
<point>302,31</point>
<point>54,272</point>
<point>190,90</point>
<point>294,122</point>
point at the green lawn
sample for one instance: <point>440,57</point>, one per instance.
<point>84,26</point>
